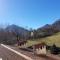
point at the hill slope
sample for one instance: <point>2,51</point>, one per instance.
<point>54,39</point>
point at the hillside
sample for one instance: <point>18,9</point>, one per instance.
<point>54,39</point>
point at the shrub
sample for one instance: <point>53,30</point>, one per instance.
<point>54,49</point>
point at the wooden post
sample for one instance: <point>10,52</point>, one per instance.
<point>33,49</point>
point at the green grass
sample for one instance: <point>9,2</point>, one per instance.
<point>54,39</point>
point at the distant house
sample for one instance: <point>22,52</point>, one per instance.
<point>39,49</point>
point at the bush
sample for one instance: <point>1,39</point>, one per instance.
<point>54,49</point>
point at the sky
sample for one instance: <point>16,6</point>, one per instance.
<point>29,13</point>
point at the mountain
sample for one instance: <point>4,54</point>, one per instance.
<point>16,29</point>
<point>49,29</point>
<point>56,24</point>
<point>47,26</point>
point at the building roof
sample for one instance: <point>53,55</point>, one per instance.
<point>39,45</point>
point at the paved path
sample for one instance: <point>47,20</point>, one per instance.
<point>10,54</point>
<point>13,53</point>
